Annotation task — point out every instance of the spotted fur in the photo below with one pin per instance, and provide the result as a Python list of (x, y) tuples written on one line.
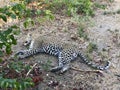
[(65, 53)]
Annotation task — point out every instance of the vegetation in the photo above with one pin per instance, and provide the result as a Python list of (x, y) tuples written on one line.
[(11, 76), (47, 65), (22, 10), (91, 47), (82, 33), (71, 7), (7, 39)]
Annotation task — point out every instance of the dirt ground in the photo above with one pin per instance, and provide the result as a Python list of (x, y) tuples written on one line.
[(103, 30)]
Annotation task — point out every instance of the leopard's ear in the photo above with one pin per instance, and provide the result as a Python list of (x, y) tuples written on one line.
[(41, 41), (29, 36)]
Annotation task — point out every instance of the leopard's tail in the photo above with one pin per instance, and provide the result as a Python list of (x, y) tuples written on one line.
[(93, 65)]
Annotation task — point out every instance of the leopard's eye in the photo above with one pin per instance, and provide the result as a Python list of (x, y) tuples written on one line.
[(26, 43)]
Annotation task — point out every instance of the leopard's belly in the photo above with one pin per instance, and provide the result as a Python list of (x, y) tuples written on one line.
[(64, 51)]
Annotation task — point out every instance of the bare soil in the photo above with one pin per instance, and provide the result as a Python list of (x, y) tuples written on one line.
[(103, 30)]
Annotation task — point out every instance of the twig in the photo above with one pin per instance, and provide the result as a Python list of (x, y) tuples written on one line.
[(117, 75), (94, 71), (31, 69)]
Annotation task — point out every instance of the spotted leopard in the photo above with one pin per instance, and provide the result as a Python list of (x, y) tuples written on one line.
[(65, 52)]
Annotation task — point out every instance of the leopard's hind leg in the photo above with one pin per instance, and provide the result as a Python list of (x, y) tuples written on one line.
[(65, 68), (61, 69), (63, 65), (60, 64)]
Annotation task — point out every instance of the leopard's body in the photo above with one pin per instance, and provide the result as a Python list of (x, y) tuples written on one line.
[(65, 52)]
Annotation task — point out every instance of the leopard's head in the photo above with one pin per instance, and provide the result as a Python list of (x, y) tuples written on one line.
[(28, 40)]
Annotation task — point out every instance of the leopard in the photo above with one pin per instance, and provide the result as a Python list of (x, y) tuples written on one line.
[(65, 52)]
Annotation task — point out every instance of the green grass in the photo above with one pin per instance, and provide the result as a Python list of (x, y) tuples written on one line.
[(70, 7), (91, 47)]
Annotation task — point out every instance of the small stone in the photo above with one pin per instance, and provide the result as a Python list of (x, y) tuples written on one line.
[(47, 74), (74, 36)]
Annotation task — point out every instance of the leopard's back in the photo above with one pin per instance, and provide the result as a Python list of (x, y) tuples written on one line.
[(44, 40), (66, 52)]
